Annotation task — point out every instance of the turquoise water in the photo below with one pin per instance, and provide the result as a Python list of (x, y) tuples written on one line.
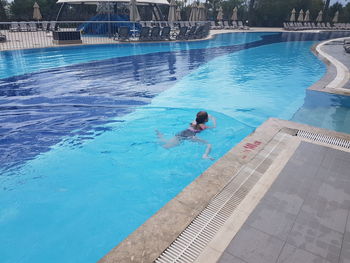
[(76, 201)]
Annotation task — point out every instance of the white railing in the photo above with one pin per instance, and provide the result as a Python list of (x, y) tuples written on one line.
[(25, 35)]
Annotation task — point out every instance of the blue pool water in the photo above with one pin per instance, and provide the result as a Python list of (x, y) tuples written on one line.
[(81, 166)]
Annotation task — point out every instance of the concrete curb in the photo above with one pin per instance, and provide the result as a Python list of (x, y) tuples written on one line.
[(342, 72)]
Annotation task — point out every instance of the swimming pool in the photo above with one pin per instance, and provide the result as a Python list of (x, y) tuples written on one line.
[(82, 167)]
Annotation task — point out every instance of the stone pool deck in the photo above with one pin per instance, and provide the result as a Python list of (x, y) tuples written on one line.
[(303, 217)]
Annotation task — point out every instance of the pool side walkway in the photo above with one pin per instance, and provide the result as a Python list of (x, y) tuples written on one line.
[(337, 78), (303, 216), (280, 195)]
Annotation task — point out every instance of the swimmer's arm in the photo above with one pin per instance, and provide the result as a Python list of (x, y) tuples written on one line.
[(207, 150), (206, 153), (213, 119)]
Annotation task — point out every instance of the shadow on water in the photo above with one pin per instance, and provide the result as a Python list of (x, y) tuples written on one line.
[(39, 109)]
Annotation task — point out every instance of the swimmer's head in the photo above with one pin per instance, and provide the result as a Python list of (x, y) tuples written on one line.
[(202, 117)]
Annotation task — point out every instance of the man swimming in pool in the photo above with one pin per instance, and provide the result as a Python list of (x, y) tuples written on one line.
[(190, 133)]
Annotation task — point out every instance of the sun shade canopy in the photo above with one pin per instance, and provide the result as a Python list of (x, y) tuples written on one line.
[(92, 2)]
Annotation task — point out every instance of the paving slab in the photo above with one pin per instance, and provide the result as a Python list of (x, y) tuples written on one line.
[(247, 245), (305, 210), (291, 254)]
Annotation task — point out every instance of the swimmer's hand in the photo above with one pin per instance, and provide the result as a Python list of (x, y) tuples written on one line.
[(213, 119), (205, 156)]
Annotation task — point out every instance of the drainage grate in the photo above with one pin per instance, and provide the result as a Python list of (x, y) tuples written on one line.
[(324, 138), (191, 242)]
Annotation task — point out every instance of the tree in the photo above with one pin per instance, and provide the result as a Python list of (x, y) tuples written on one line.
[(333, 9), (3, 15), (326, 10), (212, 6), (23, 9), (251, 12), (228, 6), (275, 12), (344, 15)]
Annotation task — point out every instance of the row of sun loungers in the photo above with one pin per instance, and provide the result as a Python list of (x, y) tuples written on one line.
[(193, 32), (31, 26), (2, 38), (172, 25), (228, 25), (341, 26), (156, 33), (318, 26)]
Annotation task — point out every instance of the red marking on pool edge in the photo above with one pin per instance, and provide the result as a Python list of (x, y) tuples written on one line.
[(249, 147), (252, 146)]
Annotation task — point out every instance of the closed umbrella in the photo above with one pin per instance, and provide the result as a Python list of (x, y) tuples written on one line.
[(178, 14), (134, 12), (335, 18), (220, 15), (172, 11), (307, 16), (301, 16), (319, 17), (292, 16), (155, 14), (201, 12), (194, 12), (234, 16), (36, 12)]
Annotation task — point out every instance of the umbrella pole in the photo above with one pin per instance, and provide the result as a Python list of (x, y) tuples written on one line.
[(160, 13), (59, 12)]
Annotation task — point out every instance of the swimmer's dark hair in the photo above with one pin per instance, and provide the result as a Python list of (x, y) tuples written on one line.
[(202, 117)]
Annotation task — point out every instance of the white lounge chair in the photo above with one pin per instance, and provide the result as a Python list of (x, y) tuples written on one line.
[(242, 26), (226, 25), (2, 38), (23, 27), (234, 25), (32, 26), (14, 27)]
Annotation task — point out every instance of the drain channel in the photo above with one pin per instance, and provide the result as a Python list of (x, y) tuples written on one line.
[(191, 242), (324, 138)]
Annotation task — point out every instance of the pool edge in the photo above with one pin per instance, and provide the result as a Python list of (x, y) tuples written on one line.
[(337, 74)]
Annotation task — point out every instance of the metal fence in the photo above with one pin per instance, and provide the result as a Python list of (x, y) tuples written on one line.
[(26, 35)]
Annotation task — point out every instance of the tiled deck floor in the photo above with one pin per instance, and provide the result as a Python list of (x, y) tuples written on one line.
[(304, 215)]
